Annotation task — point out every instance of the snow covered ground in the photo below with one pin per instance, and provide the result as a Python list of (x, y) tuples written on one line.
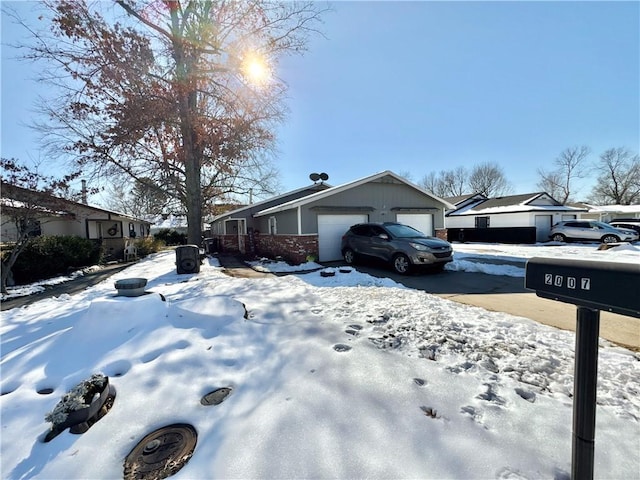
[(331, 377)]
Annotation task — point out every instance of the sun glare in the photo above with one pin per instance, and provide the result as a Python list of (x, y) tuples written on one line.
[(256, 70)]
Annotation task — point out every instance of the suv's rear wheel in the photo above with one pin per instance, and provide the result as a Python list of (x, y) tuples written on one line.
[(610, 239), (349, 256), (558, 237), (401, 264)]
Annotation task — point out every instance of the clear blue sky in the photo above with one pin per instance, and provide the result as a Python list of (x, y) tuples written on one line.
[(425, 86)]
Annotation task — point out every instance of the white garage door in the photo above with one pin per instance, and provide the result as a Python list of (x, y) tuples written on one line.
[(419, 221), (330, 231)]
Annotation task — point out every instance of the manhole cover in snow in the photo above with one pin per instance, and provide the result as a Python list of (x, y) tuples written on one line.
[(216, 397), (161, 453)]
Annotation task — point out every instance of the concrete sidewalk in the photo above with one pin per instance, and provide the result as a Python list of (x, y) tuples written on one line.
[(70, 287)]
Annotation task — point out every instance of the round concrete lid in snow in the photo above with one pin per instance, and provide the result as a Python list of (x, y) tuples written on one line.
[(161, 453), (131, 287)]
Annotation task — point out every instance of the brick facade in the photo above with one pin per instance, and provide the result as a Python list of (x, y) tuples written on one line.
[(442, 233), (293, 248)]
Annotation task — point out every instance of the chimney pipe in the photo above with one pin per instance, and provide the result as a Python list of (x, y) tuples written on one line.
[(84, 192)]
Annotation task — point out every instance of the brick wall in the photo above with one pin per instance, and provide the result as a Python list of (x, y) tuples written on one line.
[(292, 248), (442, 233)]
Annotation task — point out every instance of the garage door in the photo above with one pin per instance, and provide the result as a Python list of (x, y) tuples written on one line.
[(419, 221), (330, 231)]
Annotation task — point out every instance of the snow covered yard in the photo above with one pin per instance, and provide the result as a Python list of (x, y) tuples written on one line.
[(348, 376)]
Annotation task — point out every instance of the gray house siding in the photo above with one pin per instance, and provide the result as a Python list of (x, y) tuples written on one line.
[(260, 224), (380, 201)]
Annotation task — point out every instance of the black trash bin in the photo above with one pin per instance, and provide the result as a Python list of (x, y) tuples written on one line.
[(188, 259)]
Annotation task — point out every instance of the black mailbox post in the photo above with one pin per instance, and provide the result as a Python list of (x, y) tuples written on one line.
[(591, 286)]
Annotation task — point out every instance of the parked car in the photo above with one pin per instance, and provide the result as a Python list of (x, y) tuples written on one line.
[(590, 231), (401, 245), (626, 224)]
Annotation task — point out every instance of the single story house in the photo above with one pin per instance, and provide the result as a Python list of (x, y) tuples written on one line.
[(307, 223), (524, 218), (607, 213), (58, 216)]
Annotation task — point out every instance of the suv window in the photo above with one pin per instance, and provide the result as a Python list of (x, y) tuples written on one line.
[(577, 224), (362, 230), (376, 230)]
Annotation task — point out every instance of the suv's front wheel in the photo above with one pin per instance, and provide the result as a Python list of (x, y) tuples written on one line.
[(610, 239), (349, 256), (401, 264)]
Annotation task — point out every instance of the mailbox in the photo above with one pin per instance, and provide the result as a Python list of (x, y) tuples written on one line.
[(591, 286), (608, 286)]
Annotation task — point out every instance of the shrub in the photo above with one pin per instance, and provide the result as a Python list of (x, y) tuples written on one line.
[(171, 237), (48, 256), (148, 245)]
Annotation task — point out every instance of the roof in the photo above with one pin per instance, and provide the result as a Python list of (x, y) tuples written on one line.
[(269, 200), (346, 186), (51, 202), (457, 200), (525, 202), (627, 209)]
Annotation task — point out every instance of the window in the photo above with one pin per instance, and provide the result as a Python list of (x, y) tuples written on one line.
[(273, 225), (482, 222), (30, 227)]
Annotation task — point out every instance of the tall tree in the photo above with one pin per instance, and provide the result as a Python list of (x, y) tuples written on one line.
[(618, 178), (174, 91), (570, 165), (28, 199), (489, 180)]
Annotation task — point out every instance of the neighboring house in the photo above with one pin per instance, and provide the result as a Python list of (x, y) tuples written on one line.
[(525, 218), (464, 200), (167, 221), (58, 216), (607, 213), (311, 221)]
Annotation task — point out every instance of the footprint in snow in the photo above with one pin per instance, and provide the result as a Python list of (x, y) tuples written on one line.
[(339, 347), (420, 382), (528, 395), (491, 396), (353, 330), (508, 473), (473, 412), (117, 368)]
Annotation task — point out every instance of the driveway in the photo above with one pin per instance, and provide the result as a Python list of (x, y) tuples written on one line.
[(507, 294)]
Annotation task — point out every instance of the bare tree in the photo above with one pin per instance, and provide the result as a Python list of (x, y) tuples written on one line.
[(488, 179), (550, 182), (144, 198), (618, 178), (169, 91), (571, 164), (446, 183), (27, 200)]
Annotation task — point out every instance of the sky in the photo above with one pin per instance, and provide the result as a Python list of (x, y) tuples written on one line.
[(350, 376), (419, 87)]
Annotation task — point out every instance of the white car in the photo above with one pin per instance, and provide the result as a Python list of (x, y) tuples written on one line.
[(588, 230)]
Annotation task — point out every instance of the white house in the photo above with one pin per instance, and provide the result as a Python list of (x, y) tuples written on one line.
[(535, 213)]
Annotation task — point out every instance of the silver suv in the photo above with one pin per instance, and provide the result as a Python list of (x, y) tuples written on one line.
[(590, 230), (401, 245)]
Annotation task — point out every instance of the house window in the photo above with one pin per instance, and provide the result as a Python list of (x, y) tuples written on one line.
[(30, 227), (482, 222), (273, 225)]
